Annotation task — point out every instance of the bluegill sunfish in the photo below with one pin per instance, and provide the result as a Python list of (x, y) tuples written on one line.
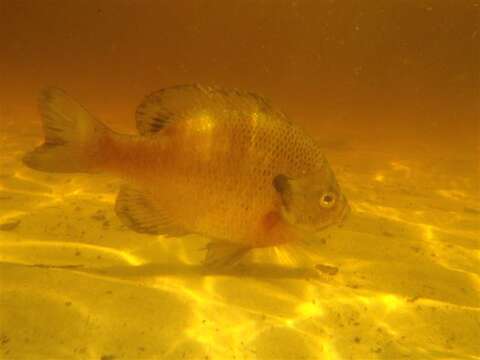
[(220, 163)]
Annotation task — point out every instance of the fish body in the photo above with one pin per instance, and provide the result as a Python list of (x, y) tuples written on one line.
[(220, 163)]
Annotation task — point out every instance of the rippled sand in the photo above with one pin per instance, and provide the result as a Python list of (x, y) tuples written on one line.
[(399, 280)]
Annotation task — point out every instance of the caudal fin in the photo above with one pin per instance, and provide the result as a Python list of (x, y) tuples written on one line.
[(71, 135)]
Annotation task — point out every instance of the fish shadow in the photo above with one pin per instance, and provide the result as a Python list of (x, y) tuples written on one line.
[(252, 270)]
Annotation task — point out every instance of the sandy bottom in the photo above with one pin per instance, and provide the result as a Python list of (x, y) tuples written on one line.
[(399, 280)]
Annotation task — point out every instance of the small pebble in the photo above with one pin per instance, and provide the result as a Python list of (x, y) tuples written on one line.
[(327, 269), (99, 215), (9, 225)]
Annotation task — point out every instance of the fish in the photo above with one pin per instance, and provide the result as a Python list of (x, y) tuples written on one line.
[(220, 163)]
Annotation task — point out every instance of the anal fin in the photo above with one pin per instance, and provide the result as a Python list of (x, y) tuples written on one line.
[(140, 212)]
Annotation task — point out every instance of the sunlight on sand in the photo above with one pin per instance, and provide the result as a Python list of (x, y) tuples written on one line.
[(400, 279)]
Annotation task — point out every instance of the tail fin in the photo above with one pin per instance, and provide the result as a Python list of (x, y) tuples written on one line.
[(71, 135)]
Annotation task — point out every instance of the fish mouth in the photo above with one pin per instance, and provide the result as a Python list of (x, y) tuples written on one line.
[(338, 221)]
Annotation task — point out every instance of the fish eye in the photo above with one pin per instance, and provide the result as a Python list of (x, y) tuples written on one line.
[(327, 200)]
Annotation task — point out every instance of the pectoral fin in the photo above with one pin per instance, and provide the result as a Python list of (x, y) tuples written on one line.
[(224, 254)]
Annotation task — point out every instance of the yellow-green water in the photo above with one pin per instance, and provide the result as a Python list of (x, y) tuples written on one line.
[(390, 90)]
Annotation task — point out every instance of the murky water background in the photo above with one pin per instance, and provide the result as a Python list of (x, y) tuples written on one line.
[(389, 88)]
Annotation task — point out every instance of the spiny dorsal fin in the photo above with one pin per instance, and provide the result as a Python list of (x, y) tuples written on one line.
[(187, 101), (139, 211)]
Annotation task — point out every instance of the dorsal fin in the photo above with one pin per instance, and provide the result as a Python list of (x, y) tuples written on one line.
[(140, 212), (186, 101)]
